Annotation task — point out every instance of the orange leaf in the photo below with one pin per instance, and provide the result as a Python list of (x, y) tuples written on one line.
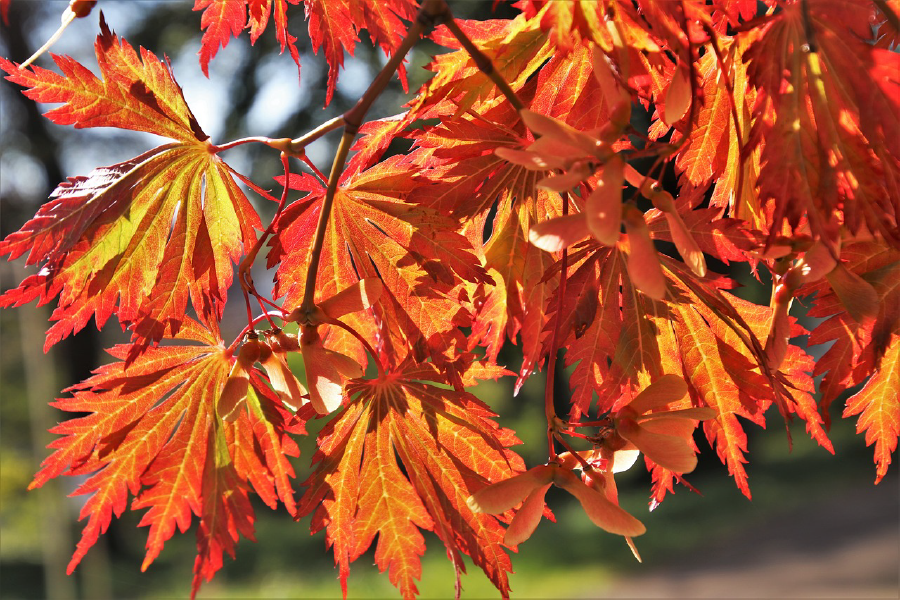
[(375, 233), (878, 407), (151, 430), (446, 443)]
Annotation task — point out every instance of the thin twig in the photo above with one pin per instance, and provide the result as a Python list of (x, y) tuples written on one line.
[(484, 63), (299, 145), (362, 340), (277, 143), (244, 276)]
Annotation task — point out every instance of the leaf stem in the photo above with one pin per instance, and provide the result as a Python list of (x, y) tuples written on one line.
[(577, 434), (549, 408), (244, 275), (312, 167), (262, 307), (272, 304), (585, 465)]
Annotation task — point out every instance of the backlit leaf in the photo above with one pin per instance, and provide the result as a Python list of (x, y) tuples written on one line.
[(153, 432), (140, 237), (446, 445)]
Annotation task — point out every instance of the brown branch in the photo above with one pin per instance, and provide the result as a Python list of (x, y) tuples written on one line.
[(337, 167), (298, 146)]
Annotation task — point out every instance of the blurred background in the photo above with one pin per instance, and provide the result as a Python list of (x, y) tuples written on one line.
[(816, 527)]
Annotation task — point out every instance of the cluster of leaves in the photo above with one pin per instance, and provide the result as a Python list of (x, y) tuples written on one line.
[(528, 211)]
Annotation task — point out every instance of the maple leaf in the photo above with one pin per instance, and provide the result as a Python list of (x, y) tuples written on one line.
[(374, 138), (468, 181), (225, 19), (375, 233), (473, 181), (447, 445), (153, 431), (221, 20), (712, 140), (861, 349), (568, 21), (383, 22), (828, 108), (140, 237), (619, 340), (878, 407), (334, 27)]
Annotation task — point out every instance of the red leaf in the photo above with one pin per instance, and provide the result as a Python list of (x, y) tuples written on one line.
[(517, 48), (833, 105), (858, 345), (221, 20), (137, 92), (224, 19), (136, 239)]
